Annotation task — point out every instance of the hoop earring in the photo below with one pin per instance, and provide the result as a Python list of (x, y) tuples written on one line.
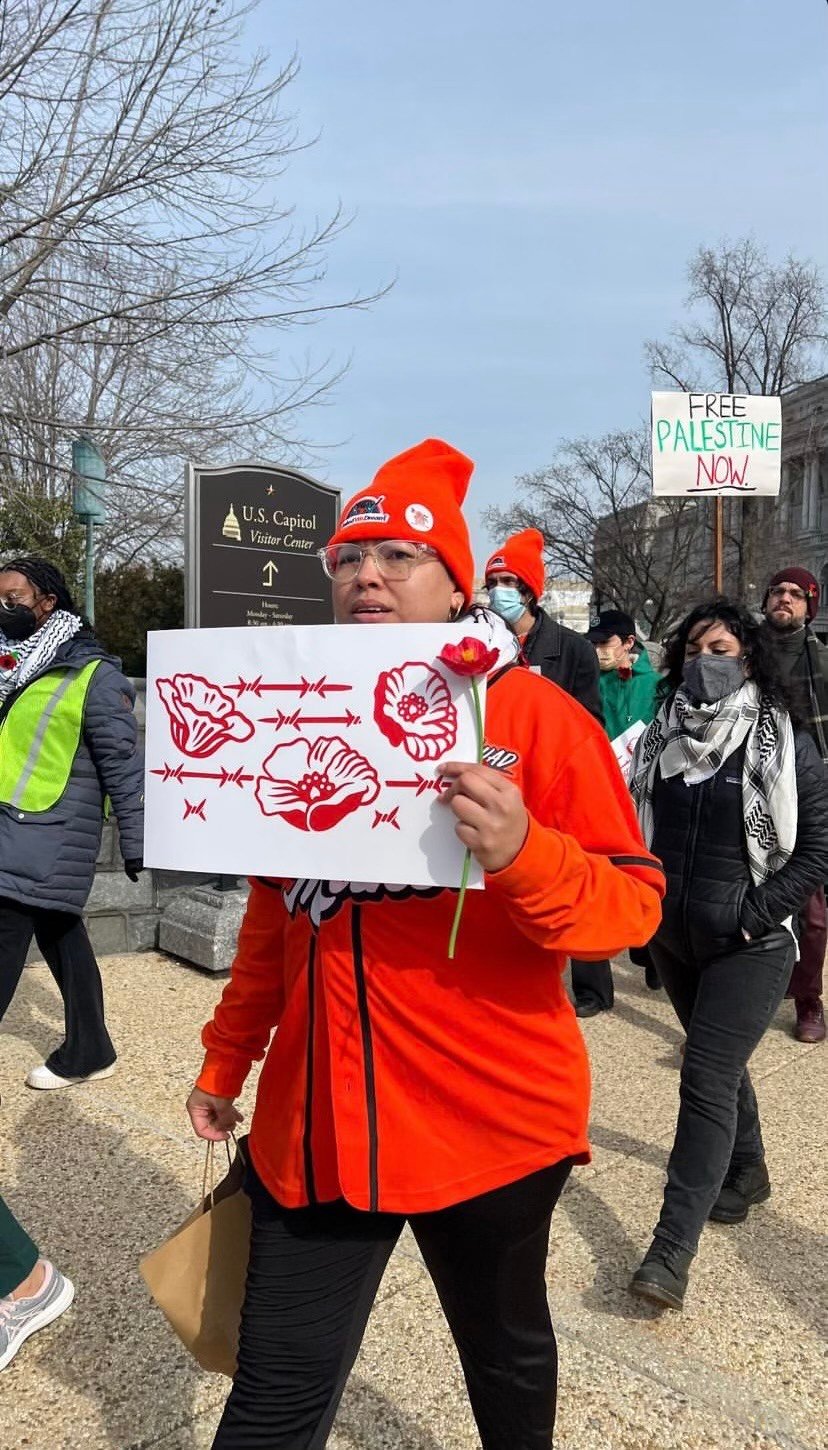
[(454, 614)]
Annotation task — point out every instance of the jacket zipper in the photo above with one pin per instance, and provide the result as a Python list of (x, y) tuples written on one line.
[(695, 813), (367, 1055), (307, 1141)]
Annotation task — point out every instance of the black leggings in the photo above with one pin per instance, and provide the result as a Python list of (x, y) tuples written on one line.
[(62, 938), (314, 1273)]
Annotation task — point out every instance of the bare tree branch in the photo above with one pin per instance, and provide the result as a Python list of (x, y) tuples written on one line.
[(755, 327), (594, 507), (149, 268)]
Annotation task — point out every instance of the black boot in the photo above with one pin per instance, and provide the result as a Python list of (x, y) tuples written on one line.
[(662, 1277), (742, 1187)]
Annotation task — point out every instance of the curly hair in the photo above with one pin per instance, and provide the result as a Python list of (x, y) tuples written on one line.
[(757, 647), (45, 577)]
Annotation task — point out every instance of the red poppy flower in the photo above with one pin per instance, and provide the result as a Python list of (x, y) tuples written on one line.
[(469, 657), (413, 708), (202, 717), (313, 786), (7, 662)]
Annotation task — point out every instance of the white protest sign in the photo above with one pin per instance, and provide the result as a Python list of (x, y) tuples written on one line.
[(716, 443), (307, 751), (624, 746)]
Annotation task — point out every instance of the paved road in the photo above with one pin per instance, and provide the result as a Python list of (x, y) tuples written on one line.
[(101, 1172)]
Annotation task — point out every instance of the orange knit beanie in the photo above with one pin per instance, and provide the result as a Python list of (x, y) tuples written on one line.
[(417, 496), (522, 554)]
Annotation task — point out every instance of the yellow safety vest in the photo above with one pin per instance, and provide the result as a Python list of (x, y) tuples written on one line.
[(39, 738)]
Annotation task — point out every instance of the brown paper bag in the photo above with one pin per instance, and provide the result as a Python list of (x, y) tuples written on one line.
[(197, 1275)]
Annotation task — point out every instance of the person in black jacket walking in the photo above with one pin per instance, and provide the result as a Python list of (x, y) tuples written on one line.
[(514, 580), (515, 576), (790, 605), (734, 800), (68, 740)]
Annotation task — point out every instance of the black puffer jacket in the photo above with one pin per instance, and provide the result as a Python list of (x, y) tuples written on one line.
[(700, 838), (47, 858), (567, 659)]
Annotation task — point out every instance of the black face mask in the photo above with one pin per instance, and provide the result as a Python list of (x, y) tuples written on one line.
[(17, 621), (711, 677)]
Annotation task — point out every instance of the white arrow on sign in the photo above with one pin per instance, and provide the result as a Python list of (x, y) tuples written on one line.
[(268, 572)]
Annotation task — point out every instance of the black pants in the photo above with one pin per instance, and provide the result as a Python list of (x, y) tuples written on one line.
[(18, 1253), (314, 1273), (65, 945), (592, 981), (725, 1006)]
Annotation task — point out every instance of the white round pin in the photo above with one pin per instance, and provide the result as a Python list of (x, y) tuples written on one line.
[(418, 517)]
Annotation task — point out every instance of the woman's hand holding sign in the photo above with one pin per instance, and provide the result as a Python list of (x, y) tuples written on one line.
[(492, 820)]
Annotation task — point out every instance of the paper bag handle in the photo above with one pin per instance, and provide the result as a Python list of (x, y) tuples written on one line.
[(210, 1166)]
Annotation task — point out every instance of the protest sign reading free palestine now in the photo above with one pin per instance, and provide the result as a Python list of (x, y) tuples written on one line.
[(716, 443)]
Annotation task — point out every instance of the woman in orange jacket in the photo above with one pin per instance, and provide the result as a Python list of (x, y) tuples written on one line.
[(402, 1085)]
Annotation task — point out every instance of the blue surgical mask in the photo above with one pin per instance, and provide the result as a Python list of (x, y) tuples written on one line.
[(507, 603)]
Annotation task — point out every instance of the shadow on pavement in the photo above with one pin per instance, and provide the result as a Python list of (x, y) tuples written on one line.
[(617, 1253), (791, 1260), (368, 1418), (636, 1018), (94, 1205), (36, 1013)]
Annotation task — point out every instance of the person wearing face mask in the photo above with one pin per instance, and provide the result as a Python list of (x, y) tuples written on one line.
[(789, 606), (732, 796), (68, 741), (401, 1085), (514, 576), (628, 686), (627, 682)]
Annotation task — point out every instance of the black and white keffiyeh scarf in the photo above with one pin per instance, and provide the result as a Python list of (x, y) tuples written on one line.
[(693, 740), (33, 654)]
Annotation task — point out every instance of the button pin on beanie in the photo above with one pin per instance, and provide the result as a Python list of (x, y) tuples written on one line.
[(418, 517), (366, 510)]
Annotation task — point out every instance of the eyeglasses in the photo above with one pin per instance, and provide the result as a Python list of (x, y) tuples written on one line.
[(780, 590), (394, 559), (11, 600)]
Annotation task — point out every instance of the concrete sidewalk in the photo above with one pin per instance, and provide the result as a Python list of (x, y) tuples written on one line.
[(100, 1173)]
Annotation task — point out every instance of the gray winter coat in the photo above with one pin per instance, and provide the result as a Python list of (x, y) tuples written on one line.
[(47, 858)]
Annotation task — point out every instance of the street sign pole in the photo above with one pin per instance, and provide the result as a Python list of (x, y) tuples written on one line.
[(89, 575), (88, 505)]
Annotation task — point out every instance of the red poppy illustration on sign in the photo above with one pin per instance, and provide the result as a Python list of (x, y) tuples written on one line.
[(413, 708), (202, 716), (314, 786)]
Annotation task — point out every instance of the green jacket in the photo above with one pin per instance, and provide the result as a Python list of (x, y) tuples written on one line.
[(626, 701)]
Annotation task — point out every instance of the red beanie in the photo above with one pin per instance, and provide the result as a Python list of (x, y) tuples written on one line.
[(806, 582), (522, 555), (417, 496)]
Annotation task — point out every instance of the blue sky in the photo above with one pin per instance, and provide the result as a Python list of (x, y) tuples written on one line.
[(535, 175)]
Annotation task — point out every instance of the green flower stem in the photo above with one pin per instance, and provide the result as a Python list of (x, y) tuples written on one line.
[(464, 879)]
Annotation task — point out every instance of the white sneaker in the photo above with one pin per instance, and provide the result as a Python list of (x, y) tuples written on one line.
[(43, 1077), (21, 1317)]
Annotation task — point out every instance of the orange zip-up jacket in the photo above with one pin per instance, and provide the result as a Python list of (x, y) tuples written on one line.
[(403, 1081)]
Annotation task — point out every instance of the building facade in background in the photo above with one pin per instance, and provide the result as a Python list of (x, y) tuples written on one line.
[(568, 601), (801, 511)]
